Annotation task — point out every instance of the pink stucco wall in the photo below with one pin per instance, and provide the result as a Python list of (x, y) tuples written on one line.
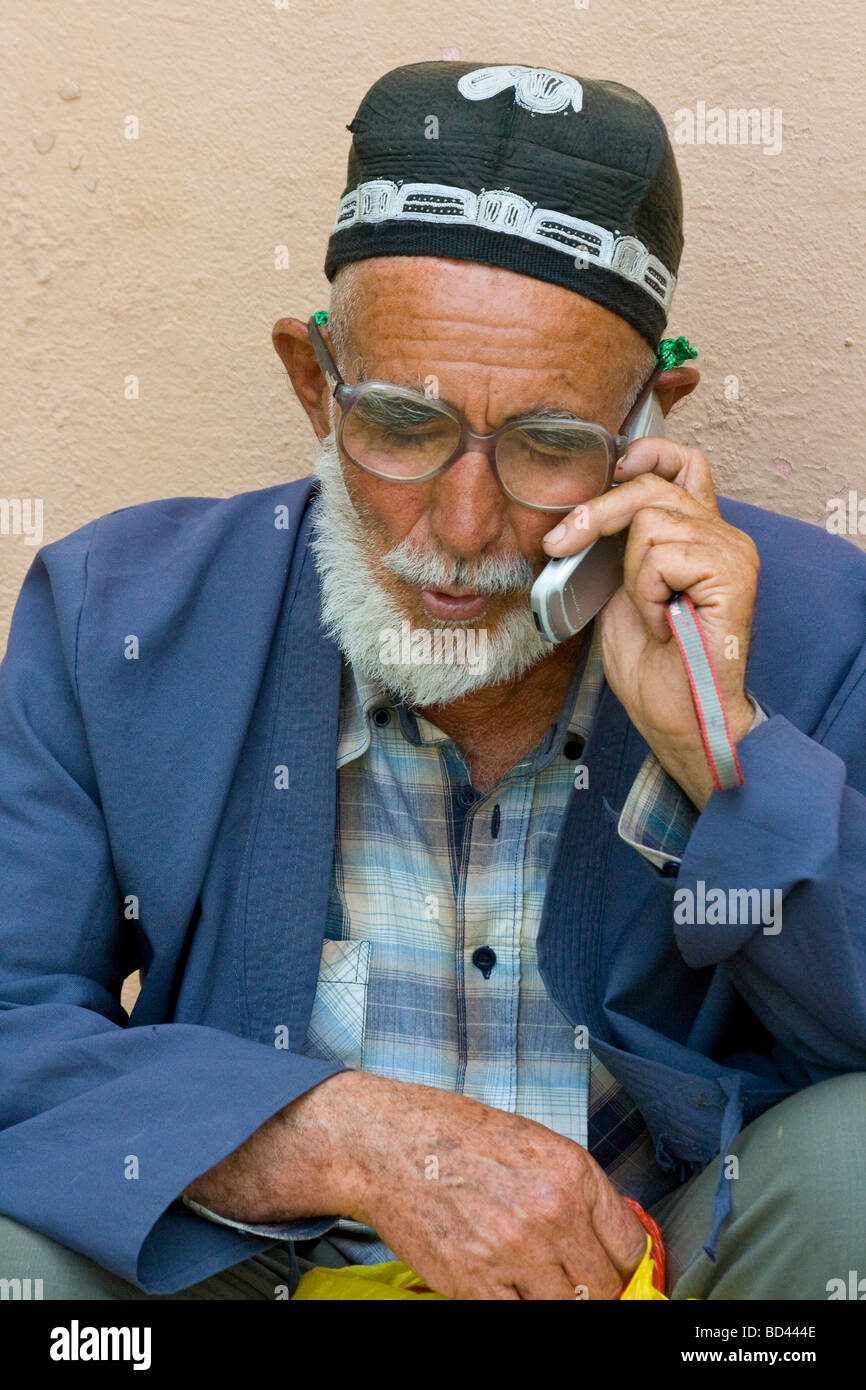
[(154, 257)]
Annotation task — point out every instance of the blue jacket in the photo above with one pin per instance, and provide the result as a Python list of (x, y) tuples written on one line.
[(163, 662)]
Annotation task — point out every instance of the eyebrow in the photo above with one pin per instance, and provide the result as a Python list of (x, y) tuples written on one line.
[(551, 412), (363, 373), (538, 410)]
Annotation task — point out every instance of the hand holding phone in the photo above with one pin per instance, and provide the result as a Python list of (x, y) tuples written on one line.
[(572, 588)]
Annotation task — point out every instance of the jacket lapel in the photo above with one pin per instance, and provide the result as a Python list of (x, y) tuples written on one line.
[(575, 904), (285, 880)]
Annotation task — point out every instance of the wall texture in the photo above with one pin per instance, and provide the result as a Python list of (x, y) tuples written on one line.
[(154, 257)]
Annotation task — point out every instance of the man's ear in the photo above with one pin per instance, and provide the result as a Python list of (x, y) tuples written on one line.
[(675, 383), (291, 339)]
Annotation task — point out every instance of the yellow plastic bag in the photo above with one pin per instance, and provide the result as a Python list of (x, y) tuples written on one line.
[(640, 1286), (389, 1280), (393, 1280)]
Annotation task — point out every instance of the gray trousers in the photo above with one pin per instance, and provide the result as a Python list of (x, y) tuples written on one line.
[(797, 1221)]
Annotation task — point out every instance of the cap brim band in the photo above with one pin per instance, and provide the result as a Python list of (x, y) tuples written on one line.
[(613, 291)]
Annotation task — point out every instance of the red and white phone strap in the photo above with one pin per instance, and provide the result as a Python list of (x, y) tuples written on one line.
[(721, 754)]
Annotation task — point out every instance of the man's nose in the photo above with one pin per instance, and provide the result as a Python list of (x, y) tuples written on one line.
[(467, 510)]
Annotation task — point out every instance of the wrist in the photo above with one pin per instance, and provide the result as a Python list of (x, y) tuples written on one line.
[(327, 1133), (741, 719), (686, 761)]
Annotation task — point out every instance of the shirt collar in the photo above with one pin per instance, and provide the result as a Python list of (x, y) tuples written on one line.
[(359, 696)]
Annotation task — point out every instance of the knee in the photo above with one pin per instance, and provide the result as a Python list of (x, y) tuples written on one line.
[(829, 1115), (817, 1139)]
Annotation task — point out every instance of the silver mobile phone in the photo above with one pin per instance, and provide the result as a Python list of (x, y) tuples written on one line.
[(570, 590)]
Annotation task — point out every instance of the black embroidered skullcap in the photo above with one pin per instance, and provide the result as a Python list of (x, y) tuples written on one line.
[(570, 180)]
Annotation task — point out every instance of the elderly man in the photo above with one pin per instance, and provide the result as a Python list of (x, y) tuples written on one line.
[(443, 956)]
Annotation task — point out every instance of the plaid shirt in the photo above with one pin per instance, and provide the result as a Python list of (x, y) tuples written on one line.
[(429, 971)]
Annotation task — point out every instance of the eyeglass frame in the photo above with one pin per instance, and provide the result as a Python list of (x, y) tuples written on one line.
[(346, 393)]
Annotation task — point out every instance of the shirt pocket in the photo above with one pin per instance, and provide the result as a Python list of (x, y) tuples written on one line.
[(336, 1028)]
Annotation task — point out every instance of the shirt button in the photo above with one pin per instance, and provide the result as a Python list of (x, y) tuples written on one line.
[(382, 717), (466, 796), (573, 747), (669, 868), (485, 959)]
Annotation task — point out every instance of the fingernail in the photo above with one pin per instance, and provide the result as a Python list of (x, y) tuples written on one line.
[(556, 534)]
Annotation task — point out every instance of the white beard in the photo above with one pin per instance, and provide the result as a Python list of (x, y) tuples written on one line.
[(357, 610)]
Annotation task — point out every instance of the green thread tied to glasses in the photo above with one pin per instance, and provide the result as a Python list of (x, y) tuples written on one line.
[(670, 352)]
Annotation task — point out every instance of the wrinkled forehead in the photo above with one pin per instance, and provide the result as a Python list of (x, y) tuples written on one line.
[(409, 319)]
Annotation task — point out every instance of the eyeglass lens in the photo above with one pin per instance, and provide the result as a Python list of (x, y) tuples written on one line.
[(408, 436)]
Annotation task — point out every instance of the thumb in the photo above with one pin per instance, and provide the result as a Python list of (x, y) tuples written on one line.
[(618, 1230)]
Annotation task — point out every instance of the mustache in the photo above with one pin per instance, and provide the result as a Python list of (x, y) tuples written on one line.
[(504, 574)]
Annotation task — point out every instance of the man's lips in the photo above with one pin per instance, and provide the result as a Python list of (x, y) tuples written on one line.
[(440, 603)]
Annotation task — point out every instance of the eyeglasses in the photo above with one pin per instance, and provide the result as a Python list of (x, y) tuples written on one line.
[(550, 461)]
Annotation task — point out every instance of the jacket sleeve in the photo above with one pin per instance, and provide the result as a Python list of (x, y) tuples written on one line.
[(796, 831), (102, 1125), (657, 817)]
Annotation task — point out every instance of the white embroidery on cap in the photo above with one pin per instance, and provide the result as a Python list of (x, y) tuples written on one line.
[(503, 210), (536, 89)]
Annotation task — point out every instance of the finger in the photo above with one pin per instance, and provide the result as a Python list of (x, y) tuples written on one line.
[(601, 1286), (620, 1233), (595, 1254), (614, 510), (678, 463), (653, 526), (672, 568), (548, 1284)]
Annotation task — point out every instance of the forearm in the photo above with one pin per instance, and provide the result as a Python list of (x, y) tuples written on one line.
[(296, 1164), (480, 1202)]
